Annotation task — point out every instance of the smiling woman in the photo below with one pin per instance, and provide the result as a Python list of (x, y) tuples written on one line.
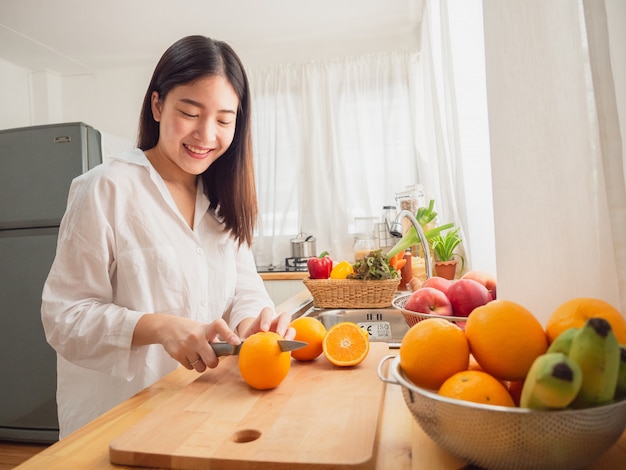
[(153, 258)]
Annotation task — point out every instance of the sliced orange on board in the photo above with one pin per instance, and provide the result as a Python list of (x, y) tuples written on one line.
[(345, 344)]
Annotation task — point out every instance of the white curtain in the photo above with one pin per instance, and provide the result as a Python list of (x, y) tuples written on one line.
[(333, 140), (336, 140), (556, 150), (453, 128)]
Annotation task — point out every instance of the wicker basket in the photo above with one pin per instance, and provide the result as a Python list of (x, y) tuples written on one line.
[(351, 293), (510, 438)]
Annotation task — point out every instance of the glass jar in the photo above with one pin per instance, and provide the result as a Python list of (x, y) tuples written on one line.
[(363, 244), (406, 201), (389, 215), (411, 199)]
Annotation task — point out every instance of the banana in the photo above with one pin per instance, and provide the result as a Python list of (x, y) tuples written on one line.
[(563, 342), (596, 350), (553, 382), (620, 389)]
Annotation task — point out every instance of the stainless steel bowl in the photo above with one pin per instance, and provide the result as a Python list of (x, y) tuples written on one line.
[(498, 437)]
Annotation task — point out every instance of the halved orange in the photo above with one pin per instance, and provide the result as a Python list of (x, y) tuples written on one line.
[(345, 344)]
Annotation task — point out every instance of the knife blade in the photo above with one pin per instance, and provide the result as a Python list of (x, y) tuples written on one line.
[(226, 349)]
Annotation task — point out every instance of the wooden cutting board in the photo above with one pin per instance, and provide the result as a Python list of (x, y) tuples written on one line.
[(320, 417)]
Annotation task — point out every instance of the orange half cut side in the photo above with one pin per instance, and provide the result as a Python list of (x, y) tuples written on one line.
[(345, 344)]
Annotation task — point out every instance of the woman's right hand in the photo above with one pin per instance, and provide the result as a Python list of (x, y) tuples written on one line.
[(184, 339)]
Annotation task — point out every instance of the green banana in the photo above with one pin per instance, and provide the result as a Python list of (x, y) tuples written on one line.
[(553, 382), (563, 342), (596, 350), (620, 389)]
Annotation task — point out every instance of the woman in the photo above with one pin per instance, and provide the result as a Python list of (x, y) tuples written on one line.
[(153, 259)]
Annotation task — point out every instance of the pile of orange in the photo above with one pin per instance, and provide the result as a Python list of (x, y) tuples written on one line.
[(488, 362), (264, 366)]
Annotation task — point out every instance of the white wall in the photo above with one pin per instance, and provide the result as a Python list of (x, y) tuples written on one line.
[(46, 97), (14, 96), (109, 100)]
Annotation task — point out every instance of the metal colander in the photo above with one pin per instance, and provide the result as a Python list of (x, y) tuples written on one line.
[(497, 437)]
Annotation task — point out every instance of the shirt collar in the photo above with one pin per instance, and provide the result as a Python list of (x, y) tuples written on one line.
[(135, 156)]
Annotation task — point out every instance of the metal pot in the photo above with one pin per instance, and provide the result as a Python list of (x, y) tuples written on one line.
[(303, 246)]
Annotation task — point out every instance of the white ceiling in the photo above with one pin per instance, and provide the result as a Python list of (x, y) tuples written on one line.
[(83, 36)]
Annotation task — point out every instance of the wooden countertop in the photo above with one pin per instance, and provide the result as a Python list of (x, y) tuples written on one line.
[(401, 445), (284, 275)]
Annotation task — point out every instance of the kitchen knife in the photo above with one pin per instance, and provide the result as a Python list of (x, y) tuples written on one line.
[(226, 349)]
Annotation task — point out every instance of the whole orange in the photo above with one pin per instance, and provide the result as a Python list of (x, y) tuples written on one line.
[(478, 387), (505, 338), (309, 330), (576, 312), (261, 362), (433, 350)]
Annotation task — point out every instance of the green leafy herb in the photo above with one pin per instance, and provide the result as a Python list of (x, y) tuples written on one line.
[(373, 266)]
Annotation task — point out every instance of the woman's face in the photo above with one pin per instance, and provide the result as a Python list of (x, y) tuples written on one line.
[(196, 124)]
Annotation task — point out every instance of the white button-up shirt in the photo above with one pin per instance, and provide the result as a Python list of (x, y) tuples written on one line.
[(125, 250)]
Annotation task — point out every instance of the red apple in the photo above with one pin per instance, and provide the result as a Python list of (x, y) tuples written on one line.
[(465, 295), (485, 279), (439, 283), (429, 300)]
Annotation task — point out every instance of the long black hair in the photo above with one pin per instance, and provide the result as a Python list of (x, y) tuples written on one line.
[(229, 181)]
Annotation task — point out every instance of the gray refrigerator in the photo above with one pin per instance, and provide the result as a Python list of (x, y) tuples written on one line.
[(37, 165)]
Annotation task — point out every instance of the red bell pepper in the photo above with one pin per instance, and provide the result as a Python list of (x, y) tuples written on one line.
[(320, 267)]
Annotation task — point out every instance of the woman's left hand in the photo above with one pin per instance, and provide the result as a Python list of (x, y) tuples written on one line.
[(266, 321)]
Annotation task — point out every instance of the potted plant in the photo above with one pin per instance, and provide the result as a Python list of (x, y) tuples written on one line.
[(443, 246)]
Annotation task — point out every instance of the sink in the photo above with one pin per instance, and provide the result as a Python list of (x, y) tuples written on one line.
[(382, 324)]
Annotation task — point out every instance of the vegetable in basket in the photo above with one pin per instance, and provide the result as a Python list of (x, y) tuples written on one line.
[(373, 267), (341, 270), (320, 267)]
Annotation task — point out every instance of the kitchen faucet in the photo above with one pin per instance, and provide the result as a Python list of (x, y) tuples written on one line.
[(396, 231)]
